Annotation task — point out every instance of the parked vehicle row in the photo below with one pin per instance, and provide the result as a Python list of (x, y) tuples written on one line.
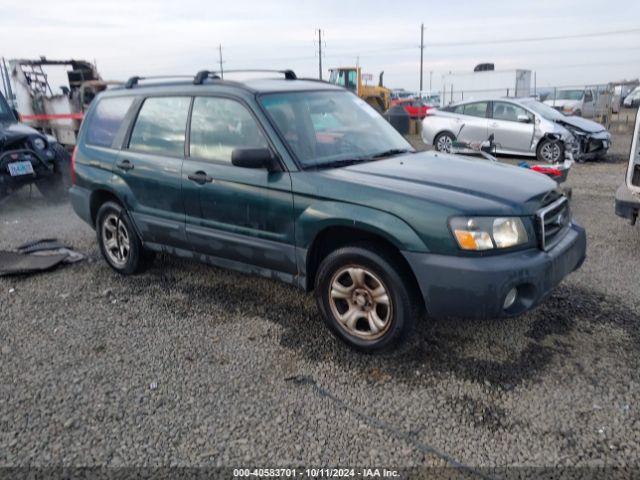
[(303, 181), (520, 126)]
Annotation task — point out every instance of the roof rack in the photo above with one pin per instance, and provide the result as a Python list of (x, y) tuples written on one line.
[(133, 81), (202, 75)]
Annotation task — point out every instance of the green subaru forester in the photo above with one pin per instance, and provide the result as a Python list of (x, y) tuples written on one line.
[(303, 181)]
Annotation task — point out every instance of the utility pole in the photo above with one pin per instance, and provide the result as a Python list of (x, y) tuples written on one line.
[(430, 78), (220, 60), (421, 52), (320, 54)]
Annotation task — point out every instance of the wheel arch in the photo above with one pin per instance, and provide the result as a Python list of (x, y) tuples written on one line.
[(98, 198), (335, 236), (441, 132), (551, 137)]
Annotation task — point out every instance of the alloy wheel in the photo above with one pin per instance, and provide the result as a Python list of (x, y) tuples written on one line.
[(115, 239), (360, 302), (444, 144), (550, 152)]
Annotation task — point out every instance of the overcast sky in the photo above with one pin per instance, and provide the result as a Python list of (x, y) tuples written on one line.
[(159, 37)]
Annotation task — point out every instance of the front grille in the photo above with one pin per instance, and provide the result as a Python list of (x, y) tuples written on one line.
[(554, 220)]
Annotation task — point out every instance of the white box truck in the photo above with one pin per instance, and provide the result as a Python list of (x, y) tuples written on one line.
[(460, 86)]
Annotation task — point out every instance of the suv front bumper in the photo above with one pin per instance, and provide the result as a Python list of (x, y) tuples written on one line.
[(476, 287), (627, 204)]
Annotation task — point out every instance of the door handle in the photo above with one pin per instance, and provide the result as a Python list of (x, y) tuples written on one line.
[(124, 165), (200, 177)]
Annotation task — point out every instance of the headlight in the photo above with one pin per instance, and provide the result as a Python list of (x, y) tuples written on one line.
[(509, 232), (38, 143), (568, 108), (483, 233)]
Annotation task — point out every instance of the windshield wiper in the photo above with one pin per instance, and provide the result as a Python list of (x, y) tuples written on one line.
[(341, 163), (391, 152)]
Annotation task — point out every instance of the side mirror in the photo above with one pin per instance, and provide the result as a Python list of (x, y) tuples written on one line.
[(524, 119), (254, 158)]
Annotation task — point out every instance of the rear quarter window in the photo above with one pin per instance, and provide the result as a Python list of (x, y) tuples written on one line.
[(106, 120)]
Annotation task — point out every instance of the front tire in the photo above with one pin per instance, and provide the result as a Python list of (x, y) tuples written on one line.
[(55, 187), (364, 299), (119, 243), (550, 151), (444, 142)]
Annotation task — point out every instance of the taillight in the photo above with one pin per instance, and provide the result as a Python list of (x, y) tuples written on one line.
[(554, 172), (73, 165)]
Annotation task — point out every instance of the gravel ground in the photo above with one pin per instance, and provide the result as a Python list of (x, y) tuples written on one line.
[(192, 365)]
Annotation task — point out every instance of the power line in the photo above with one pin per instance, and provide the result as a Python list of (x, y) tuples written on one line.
[(491, 42), (337, 53), (536, 39)]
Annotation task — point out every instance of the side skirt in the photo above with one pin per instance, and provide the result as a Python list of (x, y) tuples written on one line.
[(296, 280)]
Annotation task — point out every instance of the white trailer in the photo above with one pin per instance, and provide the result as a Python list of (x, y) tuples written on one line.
[(462, 86), (52, 95)]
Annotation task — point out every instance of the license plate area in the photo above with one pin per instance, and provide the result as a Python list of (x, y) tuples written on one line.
[(17, 169)]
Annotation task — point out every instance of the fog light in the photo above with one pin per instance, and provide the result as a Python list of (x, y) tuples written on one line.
[(510, 299)]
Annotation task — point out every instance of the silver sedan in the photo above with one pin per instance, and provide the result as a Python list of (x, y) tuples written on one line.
[(520, 126)]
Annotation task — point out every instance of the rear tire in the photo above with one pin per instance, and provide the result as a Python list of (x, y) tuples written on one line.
[(118, 241), (364, 298), (55, 187), (444, 142)]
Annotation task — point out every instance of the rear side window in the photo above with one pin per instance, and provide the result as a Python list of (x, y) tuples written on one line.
[(509, 112), (106, 120), (219, 125), (160, 126), (478, 109)]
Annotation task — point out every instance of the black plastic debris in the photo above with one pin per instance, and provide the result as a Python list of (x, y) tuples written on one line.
[(37, 256), (40, 245)]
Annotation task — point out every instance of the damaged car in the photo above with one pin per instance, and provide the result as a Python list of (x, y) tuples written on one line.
[(29, 157), (521, 126)]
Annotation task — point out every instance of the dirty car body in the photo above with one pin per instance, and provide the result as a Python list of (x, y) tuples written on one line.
[(306, 180), (520, 126)]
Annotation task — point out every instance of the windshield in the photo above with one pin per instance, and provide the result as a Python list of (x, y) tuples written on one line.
[(569, 95), (324, 128), (545, 111), (6, 115)]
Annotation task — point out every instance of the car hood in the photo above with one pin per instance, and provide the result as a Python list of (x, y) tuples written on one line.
[(12, 131), (588, 126), (467, 184)]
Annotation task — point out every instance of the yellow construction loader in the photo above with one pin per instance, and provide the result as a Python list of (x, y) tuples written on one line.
[(377, 96)]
